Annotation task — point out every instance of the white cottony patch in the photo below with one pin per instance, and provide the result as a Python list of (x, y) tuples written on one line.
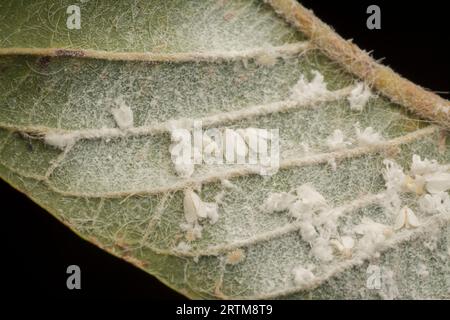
[(277, 202), (425, 175), (372, 232), (303, 203), (359, 96), (195, 208), (368, 136), (435, 203), (308, 200), (302, 276), (304, 89), (321, 250), (337, 140), (59, 140), (406, 219), (393, 175), (123, 116)]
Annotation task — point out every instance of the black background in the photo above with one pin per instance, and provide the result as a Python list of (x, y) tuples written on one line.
[(37, 248)]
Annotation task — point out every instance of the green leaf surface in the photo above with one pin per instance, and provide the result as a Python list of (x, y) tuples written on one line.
[(122, 191)]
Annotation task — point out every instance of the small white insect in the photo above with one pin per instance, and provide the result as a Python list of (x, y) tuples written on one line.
[(406, 219), (359, 97), (437, 182), (195, 208), (59, 140), (368, 136), (435, 203), (344, 246), (337, 140), (302, 276), (123, 116), (423, 167)]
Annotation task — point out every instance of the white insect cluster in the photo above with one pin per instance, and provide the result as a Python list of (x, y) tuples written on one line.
[(427, 179), (368, 136), (196, 210), (251, 146), (425, 176), (317, 222), (309, 208)]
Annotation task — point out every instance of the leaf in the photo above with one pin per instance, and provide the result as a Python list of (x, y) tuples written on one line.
[(85, 132)]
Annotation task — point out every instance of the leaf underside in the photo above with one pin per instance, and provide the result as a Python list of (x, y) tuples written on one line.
[(104, 189)]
